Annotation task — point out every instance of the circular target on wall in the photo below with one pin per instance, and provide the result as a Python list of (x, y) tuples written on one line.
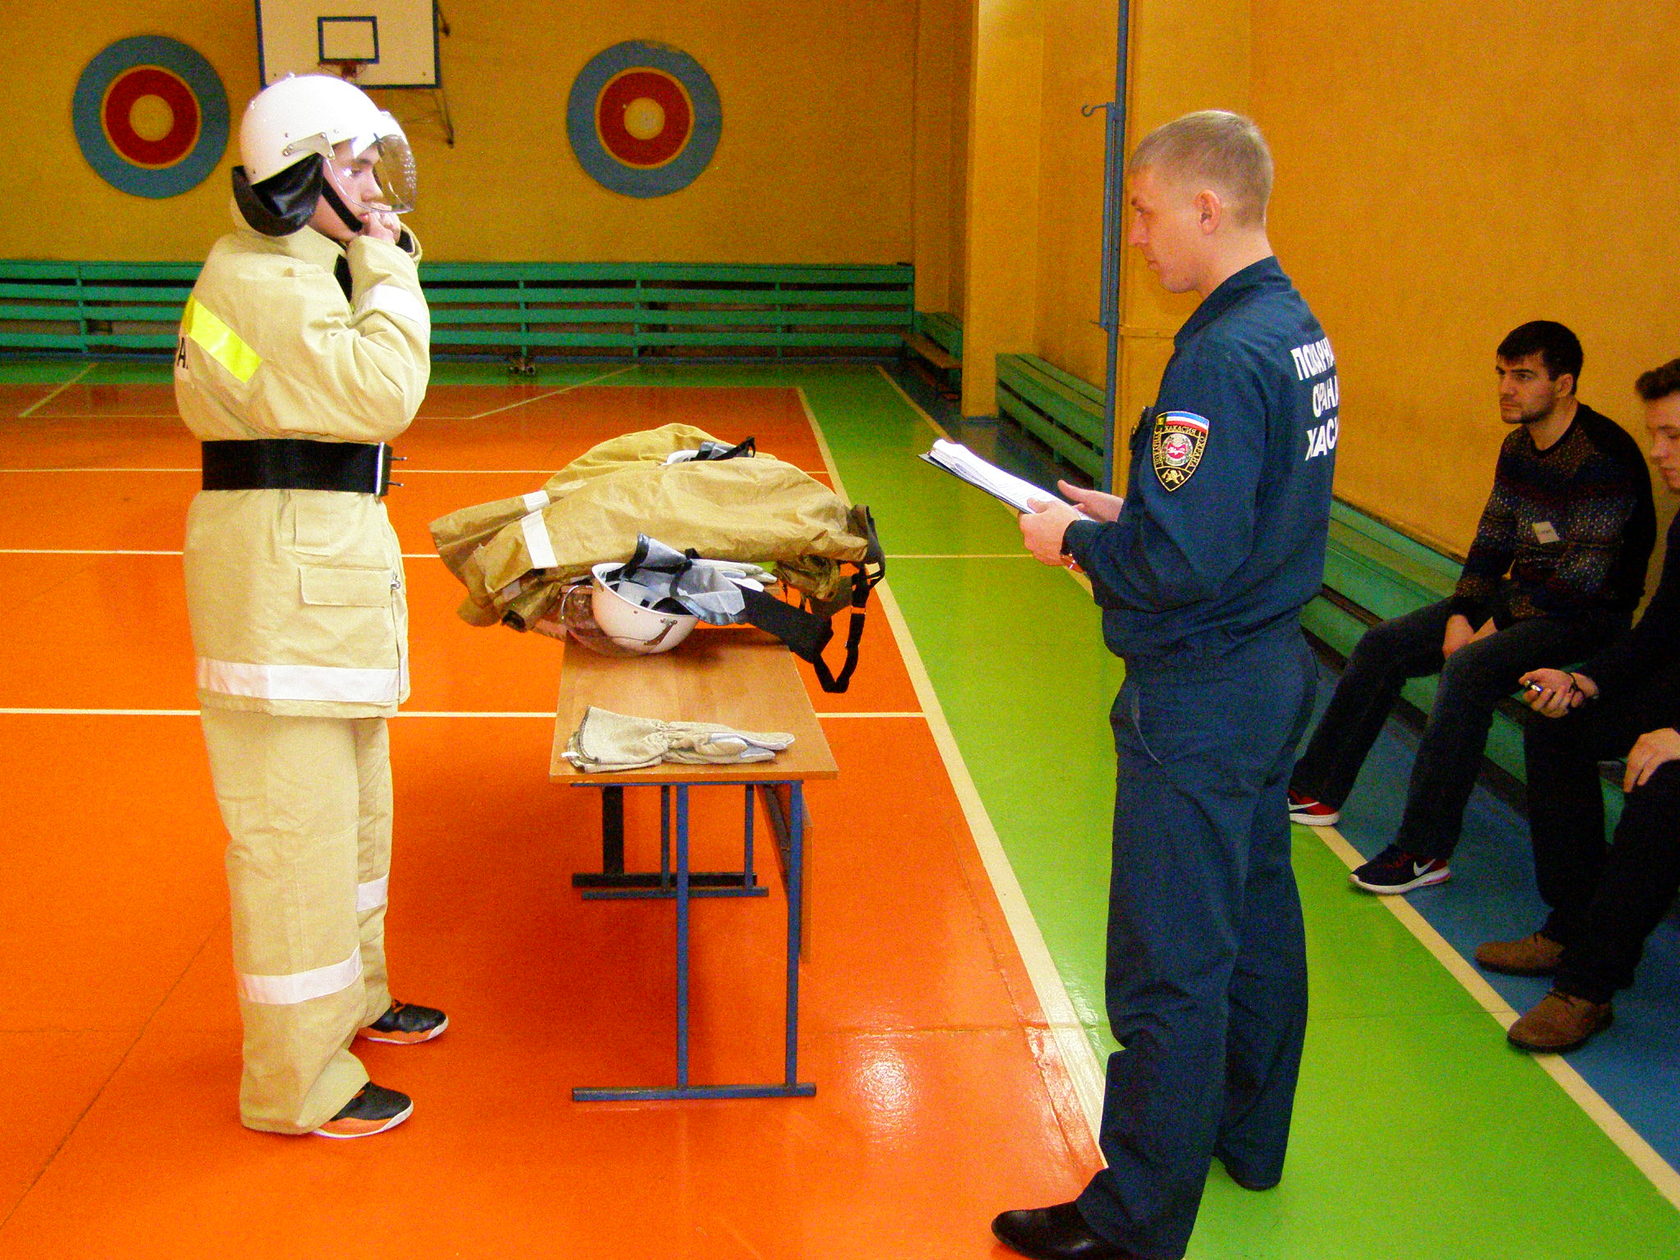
[(643, 118), (150, 116)]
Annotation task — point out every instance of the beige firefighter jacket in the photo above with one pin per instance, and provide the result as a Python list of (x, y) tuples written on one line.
[(515, 556), (296, 596)]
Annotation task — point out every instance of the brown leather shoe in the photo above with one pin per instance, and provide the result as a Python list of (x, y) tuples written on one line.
[(1560, 1022), (1535, 955)]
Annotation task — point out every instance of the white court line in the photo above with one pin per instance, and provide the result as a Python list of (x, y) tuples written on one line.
[(98, 712), (516, 472), (1627, 1139), (555, 393), (407, 713), (971, 555), (29, 411), (100, 551), (1073, 1048)]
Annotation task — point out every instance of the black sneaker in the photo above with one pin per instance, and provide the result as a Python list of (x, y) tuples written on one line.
[(373, 1110), (1396, 871), (406, 1024)]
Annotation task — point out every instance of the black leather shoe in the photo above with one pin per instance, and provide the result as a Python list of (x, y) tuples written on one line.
[(406, 1024), (1055, 1233)]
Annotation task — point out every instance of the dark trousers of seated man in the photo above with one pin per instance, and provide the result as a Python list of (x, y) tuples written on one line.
[(1473, 681), (1605, 900)]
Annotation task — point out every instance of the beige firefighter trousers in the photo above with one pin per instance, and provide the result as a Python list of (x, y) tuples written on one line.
[(307, 804)]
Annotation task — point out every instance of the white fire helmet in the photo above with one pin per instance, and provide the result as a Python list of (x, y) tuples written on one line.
[(290, 131), (618, 617)]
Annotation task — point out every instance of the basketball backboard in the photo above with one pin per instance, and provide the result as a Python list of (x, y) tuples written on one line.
[(377, 43)]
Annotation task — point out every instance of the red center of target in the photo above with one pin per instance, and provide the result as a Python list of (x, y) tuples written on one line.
[(664, 91), (127, 90)]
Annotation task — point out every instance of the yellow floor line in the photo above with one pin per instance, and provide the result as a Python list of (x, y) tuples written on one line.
[(1618, 1130), (36, 406), (1078, 1057), (912, 403), (555, 393)]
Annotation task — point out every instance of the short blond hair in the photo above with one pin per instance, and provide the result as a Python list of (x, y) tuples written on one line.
[(1214, 145)]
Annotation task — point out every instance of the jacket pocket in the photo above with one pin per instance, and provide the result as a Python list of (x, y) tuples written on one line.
[(345, 588)]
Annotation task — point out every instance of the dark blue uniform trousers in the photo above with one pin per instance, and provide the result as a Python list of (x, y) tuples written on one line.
[(1207, 975)]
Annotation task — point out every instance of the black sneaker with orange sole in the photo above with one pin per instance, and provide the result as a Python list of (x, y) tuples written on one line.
[(374, 1109), (406, 1024)]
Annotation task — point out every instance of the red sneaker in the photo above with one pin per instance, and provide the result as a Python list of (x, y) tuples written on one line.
[(1310, 811)]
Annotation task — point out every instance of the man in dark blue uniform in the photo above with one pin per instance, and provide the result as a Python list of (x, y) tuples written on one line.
[(1201, 573)]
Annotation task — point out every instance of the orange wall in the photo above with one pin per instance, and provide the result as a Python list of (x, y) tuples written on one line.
[(816, 161), (1448, 171)]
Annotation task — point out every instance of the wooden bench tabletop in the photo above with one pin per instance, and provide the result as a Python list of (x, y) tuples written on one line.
[(740, 677)]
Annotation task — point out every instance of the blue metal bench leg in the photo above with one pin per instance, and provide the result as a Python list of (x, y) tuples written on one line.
[(790, 1085)]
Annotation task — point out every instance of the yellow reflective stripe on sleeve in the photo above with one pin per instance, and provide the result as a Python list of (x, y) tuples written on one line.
[(219, 341)]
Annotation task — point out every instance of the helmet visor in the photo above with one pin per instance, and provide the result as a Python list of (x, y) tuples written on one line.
[(381, 177)]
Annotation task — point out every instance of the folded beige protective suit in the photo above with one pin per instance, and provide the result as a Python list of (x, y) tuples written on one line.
[(605, 740), (515, 556)]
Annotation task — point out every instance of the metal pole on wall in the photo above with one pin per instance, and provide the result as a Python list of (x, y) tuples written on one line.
[(1114, 210)]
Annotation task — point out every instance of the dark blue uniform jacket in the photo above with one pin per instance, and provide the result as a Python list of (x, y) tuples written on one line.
[(1222, 534)]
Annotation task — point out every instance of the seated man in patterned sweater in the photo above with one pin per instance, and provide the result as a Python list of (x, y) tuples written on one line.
[(1623, 702), (1557, 568)]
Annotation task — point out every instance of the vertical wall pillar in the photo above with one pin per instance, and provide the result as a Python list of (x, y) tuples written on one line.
[(939, 25), (1001, 248)]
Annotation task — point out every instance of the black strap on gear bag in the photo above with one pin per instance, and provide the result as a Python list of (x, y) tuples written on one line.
[(807, 633)]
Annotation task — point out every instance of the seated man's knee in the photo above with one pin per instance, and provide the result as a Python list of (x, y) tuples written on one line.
[(1661, 790), (1379, 647)]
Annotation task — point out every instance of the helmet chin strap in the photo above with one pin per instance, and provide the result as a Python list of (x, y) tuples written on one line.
[(340, 207)]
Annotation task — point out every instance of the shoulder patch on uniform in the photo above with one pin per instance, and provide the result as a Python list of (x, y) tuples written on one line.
[(1176, 449)]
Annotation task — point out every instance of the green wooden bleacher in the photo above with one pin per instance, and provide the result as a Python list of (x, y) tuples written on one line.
[(514, 311), (937, 338), (1056, 407)]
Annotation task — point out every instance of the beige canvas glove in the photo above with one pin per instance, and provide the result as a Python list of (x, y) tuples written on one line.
[(606, 741)]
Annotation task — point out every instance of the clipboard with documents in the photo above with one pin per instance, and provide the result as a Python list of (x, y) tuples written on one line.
[(982, 474)]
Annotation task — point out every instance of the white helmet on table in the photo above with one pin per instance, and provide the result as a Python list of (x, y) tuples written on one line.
[(618, 616)]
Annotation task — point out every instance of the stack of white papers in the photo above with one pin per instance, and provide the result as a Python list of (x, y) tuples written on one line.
[(963, 463)]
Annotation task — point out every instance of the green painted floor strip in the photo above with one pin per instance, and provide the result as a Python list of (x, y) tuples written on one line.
[(1418, 1132)]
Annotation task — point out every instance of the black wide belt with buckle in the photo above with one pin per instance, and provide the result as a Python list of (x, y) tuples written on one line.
[(297, 464)]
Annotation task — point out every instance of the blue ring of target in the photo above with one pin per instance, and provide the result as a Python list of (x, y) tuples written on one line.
[(201, 80), (606, 169)]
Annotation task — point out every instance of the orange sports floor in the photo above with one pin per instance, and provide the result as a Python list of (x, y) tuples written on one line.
[(939, 1102)]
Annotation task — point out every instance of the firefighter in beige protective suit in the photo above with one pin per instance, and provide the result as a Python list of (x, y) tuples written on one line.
[(303, 351)]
